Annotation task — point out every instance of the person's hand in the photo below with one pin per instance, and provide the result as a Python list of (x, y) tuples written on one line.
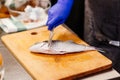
[(59, 13)]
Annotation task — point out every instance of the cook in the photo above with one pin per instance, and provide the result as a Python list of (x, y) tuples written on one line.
[(95, 21)]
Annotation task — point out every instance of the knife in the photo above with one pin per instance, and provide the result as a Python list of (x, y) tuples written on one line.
[(50, 39)]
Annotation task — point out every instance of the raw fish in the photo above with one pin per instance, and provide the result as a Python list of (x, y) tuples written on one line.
[(59, 47)]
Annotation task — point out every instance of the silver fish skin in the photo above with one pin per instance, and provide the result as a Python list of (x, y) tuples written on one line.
[(59, 47)]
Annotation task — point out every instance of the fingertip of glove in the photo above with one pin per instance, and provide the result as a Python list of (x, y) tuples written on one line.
[(50, 28)]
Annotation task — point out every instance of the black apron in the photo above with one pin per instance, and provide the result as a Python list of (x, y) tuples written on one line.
[(102, 24)]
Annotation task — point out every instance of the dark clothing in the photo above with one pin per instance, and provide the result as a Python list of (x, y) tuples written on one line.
[(76, 19), (102, 23), (104, 19), (53, 1), (99, 22)]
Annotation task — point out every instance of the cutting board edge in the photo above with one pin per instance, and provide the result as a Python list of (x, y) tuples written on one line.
[(91, 72)]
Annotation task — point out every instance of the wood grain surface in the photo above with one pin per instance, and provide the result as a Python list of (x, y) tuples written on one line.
[(53, 67)]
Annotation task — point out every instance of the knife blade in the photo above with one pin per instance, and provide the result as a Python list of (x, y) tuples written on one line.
[(50, 39)]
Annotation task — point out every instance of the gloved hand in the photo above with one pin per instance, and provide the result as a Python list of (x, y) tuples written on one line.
[(59, 13)]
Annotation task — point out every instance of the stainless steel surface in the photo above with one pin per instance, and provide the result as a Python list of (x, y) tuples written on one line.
[(104, 75), (13, 70)]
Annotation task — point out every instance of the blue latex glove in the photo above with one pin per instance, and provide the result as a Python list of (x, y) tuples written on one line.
[(59, 13)]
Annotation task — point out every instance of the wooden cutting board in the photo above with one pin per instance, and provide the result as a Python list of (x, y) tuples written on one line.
[(53, 67)]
